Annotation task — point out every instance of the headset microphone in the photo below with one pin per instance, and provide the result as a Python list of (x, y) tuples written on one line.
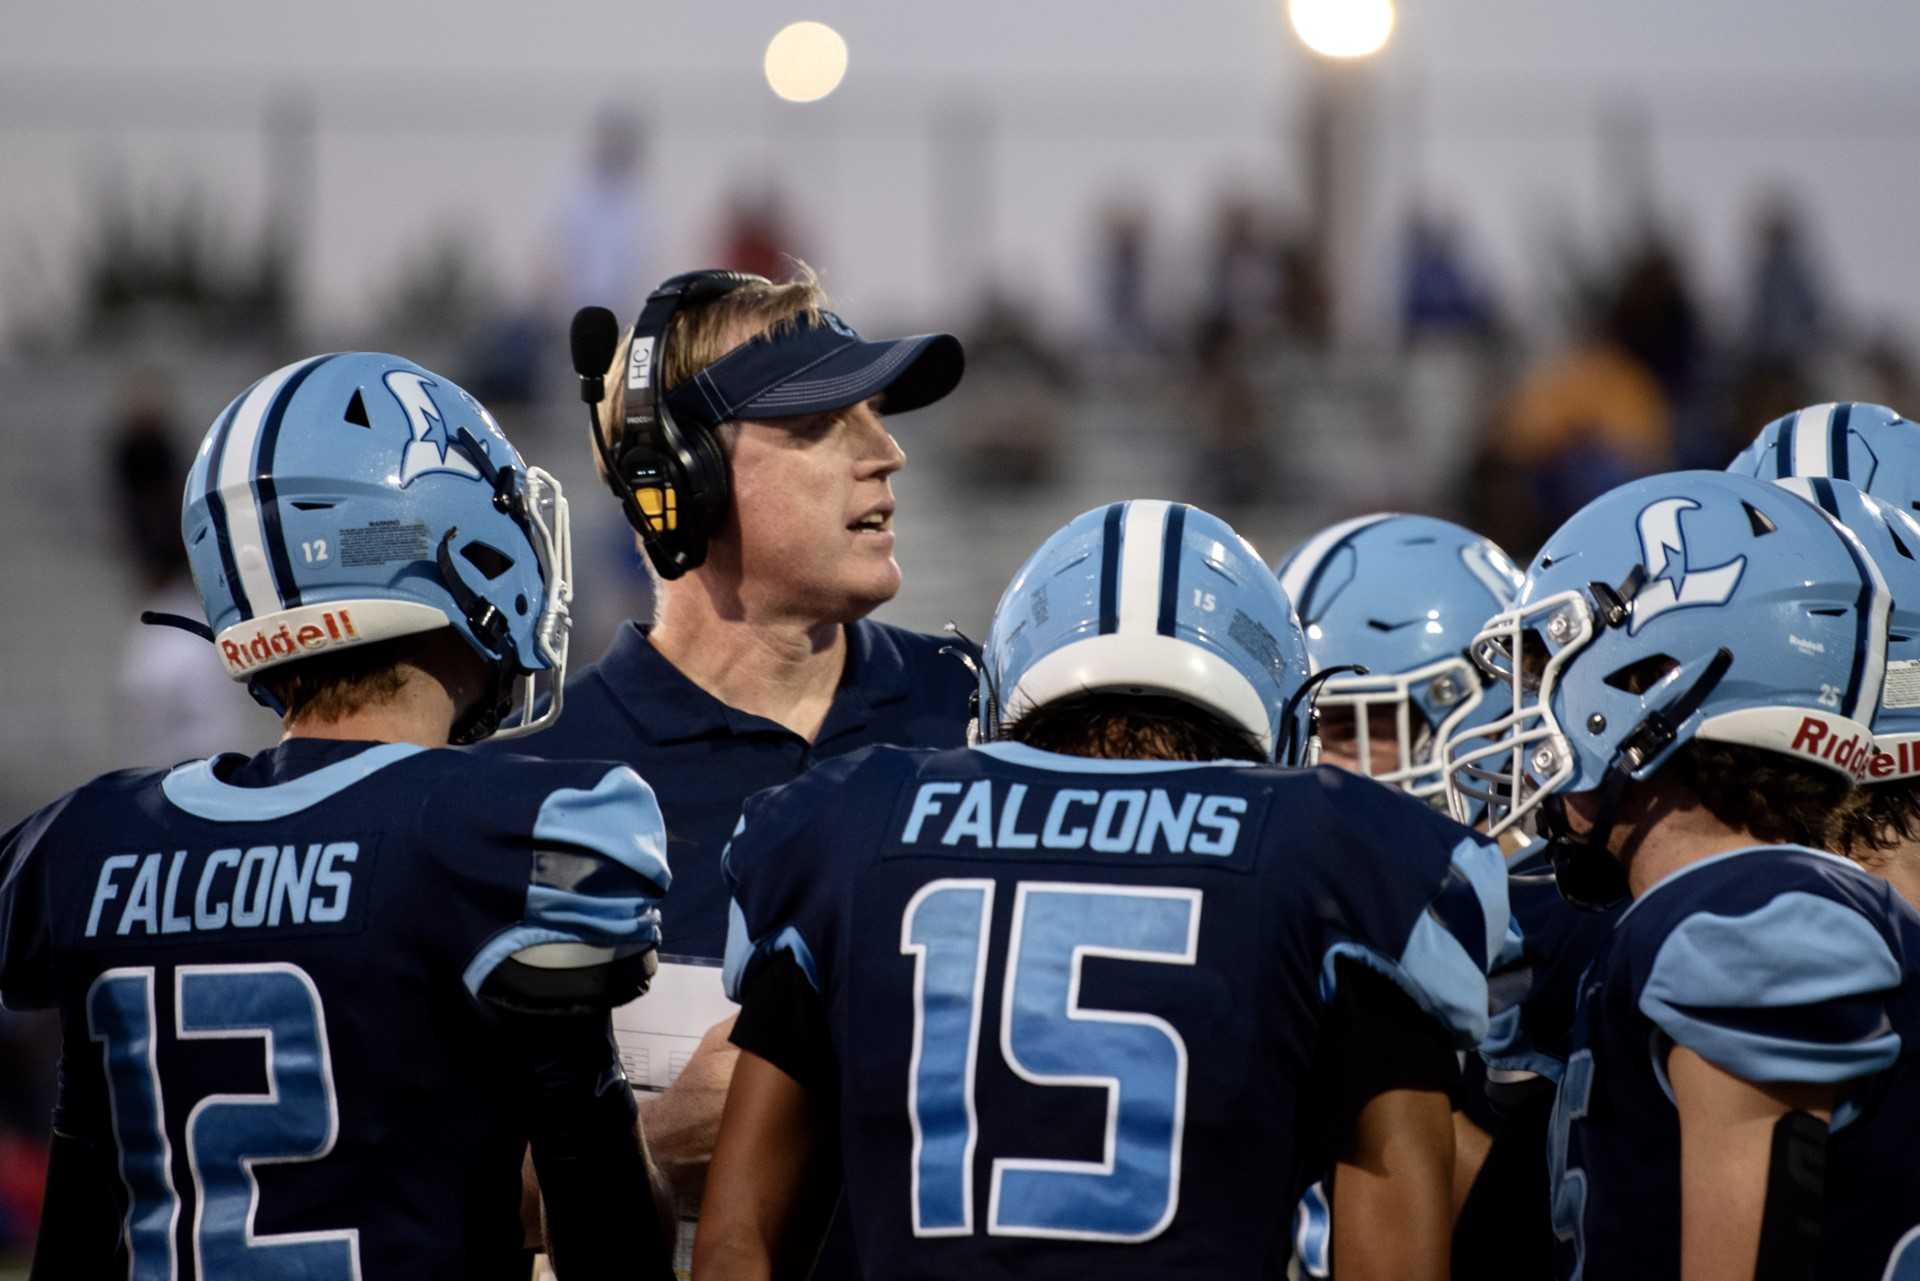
[(594, 337)]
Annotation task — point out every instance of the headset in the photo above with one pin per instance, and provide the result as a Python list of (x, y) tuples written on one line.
[(671, 478)]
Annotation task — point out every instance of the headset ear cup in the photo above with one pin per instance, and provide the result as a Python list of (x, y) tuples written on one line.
[(709, 483)]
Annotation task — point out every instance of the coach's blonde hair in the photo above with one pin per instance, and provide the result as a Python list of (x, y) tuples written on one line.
[(702, 334)]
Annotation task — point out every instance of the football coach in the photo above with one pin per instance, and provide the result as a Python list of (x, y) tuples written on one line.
[(746, 431)]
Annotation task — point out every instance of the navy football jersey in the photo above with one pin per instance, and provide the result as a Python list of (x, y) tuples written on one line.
[(1777, 964), (267, 974), (1074, 1004)]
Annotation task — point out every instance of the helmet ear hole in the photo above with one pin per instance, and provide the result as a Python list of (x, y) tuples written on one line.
[(1640, 676), (1758, 521), (489, 560)]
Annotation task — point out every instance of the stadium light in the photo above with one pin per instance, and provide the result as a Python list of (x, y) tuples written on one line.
[(805, 61), (1342, 28)]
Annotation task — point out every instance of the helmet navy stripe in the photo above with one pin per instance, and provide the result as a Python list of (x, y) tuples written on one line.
[(1863, 611), (1170, 567), (265, 491), (1783, 448), (217, 509), (1837, 442), (1110, 570), (1326, 559)]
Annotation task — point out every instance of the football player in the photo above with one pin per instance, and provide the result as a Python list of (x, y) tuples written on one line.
[(1823, 452), (317, 1002), (1695, 664), (1109, 978), (1401, 597)]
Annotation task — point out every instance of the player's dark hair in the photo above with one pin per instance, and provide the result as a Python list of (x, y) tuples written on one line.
[(1133, 727), (1887, 819), (327, 687), (1777, 799)]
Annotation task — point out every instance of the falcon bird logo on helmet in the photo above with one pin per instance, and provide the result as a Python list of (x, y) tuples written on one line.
[(1672, 584)]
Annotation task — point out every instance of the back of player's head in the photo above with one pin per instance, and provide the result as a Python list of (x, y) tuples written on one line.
[(1690, 606), (1150, 598), (1401, 596), (1869, 446), (1891, 535), (354, 499)]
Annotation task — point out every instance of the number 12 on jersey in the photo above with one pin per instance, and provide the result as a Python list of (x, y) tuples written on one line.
[(1048, 1038)]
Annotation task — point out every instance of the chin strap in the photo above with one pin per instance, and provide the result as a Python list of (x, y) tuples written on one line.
[(1588, 874), (1296, 754), (155, 618)]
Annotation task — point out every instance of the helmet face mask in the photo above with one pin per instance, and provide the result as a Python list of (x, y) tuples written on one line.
[(355, 498), (549, 526), (1512, 764), (1425, 704)]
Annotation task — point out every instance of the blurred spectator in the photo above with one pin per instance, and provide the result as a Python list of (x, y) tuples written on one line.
[(1243, 286), (604, 228), (1017, 398), (1890, 375), (759, 236), (1232, 468), (175, 701), (1785, 309), (1439, 294), (1650, 315), (1120, 276), (1599, 414)]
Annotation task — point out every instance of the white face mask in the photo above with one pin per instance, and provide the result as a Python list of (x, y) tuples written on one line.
[(549, 527), (1514, 763)]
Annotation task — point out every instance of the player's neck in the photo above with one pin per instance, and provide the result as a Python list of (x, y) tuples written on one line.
[(1678, 839), (1901, 869), (785, 670), (420, 712)]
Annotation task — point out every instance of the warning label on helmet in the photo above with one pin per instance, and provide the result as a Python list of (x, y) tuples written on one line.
[(1903, 684), (382, 543)]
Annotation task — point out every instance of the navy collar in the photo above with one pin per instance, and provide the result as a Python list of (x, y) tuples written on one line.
[(667, 707)]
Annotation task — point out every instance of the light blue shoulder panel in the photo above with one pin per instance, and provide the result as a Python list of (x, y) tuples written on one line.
[(1725, 987)]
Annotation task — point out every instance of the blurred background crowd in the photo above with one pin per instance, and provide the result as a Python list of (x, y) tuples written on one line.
[(1524, 251)]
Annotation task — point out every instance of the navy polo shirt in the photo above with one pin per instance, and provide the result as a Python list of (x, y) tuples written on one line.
[(703, 758)]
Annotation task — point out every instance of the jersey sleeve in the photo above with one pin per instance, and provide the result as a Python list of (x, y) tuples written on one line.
[(598, 871), (26, 945), (784, 889), (1794, 987), (1414, 896)]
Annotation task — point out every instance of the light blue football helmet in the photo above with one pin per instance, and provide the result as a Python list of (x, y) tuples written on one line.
[(1403, 597), (1892, 538), (1151, 597), (1689, 605), (1868, 446), (357, 497)]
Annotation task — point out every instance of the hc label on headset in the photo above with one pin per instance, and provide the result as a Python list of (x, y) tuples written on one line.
[(640, 364)]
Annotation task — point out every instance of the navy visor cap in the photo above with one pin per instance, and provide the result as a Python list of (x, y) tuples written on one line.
[(811, 368)]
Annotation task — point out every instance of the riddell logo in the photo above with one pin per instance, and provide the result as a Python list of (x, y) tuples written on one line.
[(1853, 753), (1902, 762), (334, 627)]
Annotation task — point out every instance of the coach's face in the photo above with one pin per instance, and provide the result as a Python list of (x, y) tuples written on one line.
[(811, 531)]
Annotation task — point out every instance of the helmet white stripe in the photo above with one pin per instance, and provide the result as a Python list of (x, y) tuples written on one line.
[(1300, 570), (245, 531), (1879, 618), (1811, 441), (1141, 534)]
